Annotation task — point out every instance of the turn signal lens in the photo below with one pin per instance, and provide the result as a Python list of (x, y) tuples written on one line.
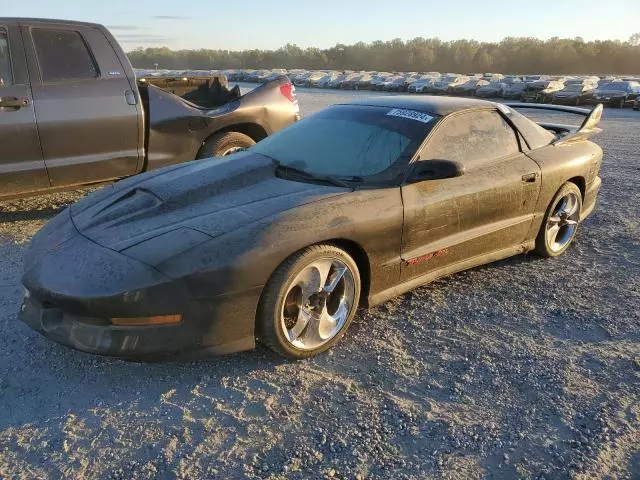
[(144, 321)]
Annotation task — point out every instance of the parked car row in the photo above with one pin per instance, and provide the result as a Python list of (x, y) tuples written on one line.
[(563, 90)]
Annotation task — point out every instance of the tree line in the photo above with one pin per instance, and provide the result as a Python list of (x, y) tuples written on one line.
[(511, 55)]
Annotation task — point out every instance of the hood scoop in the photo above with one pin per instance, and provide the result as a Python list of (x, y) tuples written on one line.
[(210, 196), (125, 208)]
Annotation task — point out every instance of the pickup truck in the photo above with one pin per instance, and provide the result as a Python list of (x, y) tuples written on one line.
[(73, 113)]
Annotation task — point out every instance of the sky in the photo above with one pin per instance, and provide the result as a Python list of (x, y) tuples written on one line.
[(267, 24)]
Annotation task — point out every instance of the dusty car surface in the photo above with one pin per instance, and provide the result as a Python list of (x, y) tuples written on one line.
[(72, 112), (351, 206)]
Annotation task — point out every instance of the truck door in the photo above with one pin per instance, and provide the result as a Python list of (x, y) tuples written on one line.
[(22, 169), (86, 112)]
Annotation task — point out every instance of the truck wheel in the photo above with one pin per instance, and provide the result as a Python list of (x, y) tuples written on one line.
[(225, 143)]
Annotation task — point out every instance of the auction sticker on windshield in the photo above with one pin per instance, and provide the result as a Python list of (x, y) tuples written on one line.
[(411, 114)]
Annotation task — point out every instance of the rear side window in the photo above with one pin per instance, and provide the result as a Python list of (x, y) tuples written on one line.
[(534, 134), (6, 77), (62, 55), (472, 138)]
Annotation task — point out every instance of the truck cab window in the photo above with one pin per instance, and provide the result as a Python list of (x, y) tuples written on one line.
[(62, 55), (6, 78)]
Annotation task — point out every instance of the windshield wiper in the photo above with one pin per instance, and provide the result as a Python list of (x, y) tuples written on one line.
[(337, 181)]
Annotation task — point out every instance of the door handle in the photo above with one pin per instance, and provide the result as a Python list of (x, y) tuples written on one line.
[(130, 97), (13, 102), (529, 177)]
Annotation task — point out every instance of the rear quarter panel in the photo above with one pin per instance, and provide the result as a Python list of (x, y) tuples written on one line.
[(578, 161), (178, 130)]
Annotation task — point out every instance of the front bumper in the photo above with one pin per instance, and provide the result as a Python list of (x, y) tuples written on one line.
[(590, 196), (96, 335), (74, 286), (612, 101), (566, 100)]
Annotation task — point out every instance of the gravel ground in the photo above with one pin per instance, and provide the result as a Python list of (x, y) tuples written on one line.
[(526, 368)]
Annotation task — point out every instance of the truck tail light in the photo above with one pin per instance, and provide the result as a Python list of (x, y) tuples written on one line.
[(289, 92)]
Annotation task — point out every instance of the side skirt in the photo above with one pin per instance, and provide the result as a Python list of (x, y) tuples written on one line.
[(392, 292)]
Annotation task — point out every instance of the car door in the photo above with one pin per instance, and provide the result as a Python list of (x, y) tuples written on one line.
[(85, 110), (487, 209), (21, 166)]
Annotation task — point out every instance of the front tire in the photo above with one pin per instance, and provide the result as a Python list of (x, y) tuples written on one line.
[(309, 302), (560, 223), (225, 143)]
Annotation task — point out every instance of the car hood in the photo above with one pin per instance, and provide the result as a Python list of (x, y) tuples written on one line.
[(209, 197)]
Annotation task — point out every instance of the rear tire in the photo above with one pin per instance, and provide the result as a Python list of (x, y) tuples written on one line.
[(309, 302), (560, 223), (225, 143)]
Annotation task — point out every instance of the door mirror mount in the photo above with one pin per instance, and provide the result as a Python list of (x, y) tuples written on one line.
[(435, 170)]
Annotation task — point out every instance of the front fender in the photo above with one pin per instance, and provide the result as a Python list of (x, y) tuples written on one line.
[(246, 257)]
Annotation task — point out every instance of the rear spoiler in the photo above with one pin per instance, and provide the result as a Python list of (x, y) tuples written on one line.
[(569, 132)]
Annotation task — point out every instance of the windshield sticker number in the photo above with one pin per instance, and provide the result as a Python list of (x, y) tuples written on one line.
[(410, 114)]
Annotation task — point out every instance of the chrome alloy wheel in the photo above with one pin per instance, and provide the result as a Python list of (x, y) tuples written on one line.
[(562, 224), (317, 303)]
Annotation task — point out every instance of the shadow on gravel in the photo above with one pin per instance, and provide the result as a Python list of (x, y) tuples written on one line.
[(104, 381), (525, 258), (27, 215)]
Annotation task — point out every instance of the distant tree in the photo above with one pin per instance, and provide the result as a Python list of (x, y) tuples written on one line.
[(518, 55)]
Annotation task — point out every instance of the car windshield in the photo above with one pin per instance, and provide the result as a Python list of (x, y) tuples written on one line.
[(614, 86), (371, 143), (574, 87)]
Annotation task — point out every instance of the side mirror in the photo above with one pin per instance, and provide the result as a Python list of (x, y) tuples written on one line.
[(435, 170)]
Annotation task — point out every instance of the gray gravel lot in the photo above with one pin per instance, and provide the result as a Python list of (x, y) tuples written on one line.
[(526, 368)]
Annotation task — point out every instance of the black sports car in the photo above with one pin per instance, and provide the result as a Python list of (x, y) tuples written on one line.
[(618, 93), (351, 206), (574, 94)]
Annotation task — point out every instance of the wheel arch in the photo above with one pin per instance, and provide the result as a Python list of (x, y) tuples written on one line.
[(581, 183), (253, 130), (359, 255), (355, 251)]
